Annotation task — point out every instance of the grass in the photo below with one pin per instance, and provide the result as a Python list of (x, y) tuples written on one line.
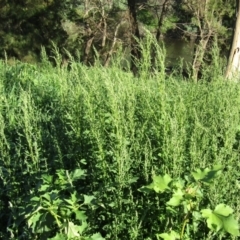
[(120, 129)]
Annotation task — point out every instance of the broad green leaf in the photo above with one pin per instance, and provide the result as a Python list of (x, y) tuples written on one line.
[(80, 215), (213, 221), (223, 210), (40, 222), (77, 174), (220, 218), (96, 236), (72, 230), (69, 201), (160, 184), (82, 227), (74, 197), (169, 236), (43, 188), (207, 175), (47, 197), (231, 225), (35, 199), (47, 178), (88, 199), (33, 220), (176, 198)]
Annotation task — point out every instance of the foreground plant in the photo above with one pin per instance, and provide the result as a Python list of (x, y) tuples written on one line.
[(187, 205), (57, 211)]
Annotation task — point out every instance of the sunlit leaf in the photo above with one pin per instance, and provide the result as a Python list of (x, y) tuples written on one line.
[(213, 221), (88, 199), (176, 198), (72, 230), (80, 215), (223, 210), (220, 218), (77, 174), (207, 175), (169, 236), (47, 178), (96, 236), (160, 184), (33, 220), (82, 227), (231, 226), (59, 236)]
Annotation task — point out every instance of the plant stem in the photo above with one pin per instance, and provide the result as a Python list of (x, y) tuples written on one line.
[(183, 227)]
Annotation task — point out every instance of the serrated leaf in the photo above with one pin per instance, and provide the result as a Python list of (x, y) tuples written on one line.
[(223, 210), (88, 199), (213, 221), (176, 198), (33, 220), (82, 227), (207, 175), (43, 188), (69, 201), (59, 236), (169, 236), (72, 230), (77, 174), (47, 178), (74, 197), (35, 199), (220, 218), (97, 236), (160, 184), (80, 215), (231, 226)]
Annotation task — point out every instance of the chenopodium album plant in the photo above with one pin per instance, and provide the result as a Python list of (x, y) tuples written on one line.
[(58, 212), (185, 204)]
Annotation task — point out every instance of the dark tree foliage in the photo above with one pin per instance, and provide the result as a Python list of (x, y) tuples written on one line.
[(25, 26)]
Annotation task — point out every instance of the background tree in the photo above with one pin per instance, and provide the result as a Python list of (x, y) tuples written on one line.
[(233, 67), (206, 22)]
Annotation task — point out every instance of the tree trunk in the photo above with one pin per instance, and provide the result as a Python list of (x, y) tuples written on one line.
[(109, 55), (199, 55), (160, 19), (135, 35), (233, 68)]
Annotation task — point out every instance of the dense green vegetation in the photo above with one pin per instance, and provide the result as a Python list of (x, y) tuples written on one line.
[(77, 144)]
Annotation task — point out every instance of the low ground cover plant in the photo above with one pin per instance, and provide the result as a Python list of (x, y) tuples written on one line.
[(186, 206)]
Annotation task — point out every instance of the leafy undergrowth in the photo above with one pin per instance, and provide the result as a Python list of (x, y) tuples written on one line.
[(77, 144)]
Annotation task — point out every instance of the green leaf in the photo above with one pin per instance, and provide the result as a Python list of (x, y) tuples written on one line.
[(33, 220), (96, 236), (169, 236), (223, 210), (74, 197), (80, 215), (77, 174), (72, 230), (231, 226), (207, 175), (82, 227), (88, 199), (221, 217), (47, 179), (43, 188), (213, 221), (176, 198), (160, 184), (35, 199)]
